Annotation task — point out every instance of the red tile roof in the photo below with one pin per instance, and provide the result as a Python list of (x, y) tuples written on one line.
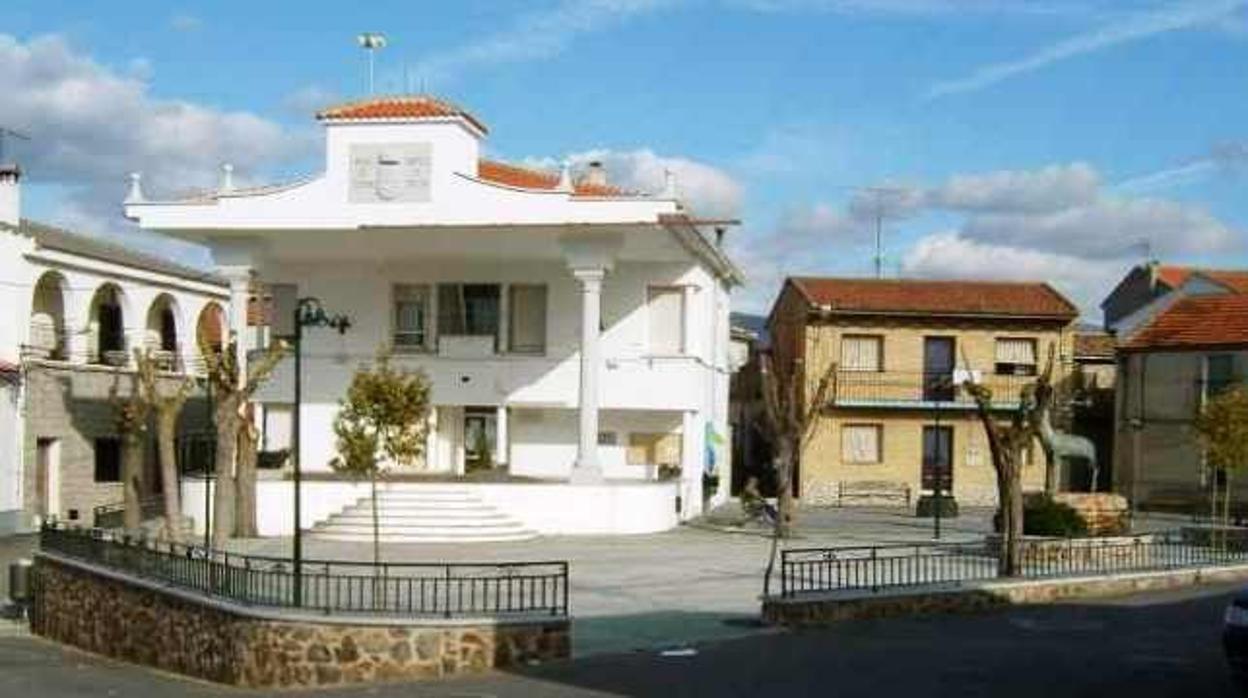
[(1196, 322), (399, 107), (1234, 279), (1094, 345), (913, 296), (527, 178)]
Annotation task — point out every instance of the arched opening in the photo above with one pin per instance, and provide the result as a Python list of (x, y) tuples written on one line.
[(108, 327), (162, 332), (210, 329), (47, 319)]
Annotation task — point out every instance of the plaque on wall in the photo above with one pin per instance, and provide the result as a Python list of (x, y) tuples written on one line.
[(390, 173)]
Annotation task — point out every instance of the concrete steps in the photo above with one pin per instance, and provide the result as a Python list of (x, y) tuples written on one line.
[(441, 514)]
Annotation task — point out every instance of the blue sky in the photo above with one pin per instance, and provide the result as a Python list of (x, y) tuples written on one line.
[(1044, 140)]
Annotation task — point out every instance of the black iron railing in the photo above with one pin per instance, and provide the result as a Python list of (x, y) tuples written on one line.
[(493, 589), (902, 388), (881, 567)]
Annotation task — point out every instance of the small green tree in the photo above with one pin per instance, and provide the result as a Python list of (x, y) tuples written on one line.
[(381, 422), (1223, 430)]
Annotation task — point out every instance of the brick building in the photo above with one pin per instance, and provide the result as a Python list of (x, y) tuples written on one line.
[(898, 350)]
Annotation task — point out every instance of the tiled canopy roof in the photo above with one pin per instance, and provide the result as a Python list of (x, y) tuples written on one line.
[(1234, 279), (399, 107), (1094, 345), (1196, 322), (527, 178), (907, 296)]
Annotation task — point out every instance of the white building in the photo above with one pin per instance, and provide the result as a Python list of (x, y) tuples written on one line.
[(576, 335), (73, 309)]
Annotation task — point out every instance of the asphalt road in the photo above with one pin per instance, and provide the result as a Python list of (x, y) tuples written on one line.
[(1142, 646)]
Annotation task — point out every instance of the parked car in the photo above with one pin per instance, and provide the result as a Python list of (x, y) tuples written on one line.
[(1235, 638)]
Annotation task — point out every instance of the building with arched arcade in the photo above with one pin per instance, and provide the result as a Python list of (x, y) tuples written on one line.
[(75, 309)]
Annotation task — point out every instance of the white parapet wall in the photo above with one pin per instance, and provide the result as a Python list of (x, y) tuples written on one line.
[(554, 508)]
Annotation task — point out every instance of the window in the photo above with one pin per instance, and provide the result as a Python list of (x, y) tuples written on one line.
[(108, 460), (168, 330), (468, 309), (527, 319), (112, 333), (607, 438), (1016, 357), (1219, 373), (665, 306), (653, 449), (862, 353), (860, 443), (411, 317)]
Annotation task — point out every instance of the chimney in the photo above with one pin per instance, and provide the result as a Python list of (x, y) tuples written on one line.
[(10, 194), (596, 175)]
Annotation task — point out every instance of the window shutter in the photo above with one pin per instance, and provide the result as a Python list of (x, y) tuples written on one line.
[(860, 443), (1016, 351), (860, 353), (528, 318), (665, 307)]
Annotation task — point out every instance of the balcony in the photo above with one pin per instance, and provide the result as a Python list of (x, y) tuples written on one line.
[(918, 390)]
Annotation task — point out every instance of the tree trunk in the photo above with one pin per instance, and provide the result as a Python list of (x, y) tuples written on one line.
[(166, 428), (784, 489), (223, 499), (132, 479), (245, 527), (1011, 508)]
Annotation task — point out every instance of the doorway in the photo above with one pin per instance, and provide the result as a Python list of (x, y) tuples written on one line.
[(938, 458), (480, 439), (939, 359), (48, 478)]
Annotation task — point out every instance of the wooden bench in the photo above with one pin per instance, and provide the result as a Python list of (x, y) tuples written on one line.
[(872, 489)]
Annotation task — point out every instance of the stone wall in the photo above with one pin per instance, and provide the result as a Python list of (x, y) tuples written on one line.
[(136, 621), (70, 404), (825, 609)]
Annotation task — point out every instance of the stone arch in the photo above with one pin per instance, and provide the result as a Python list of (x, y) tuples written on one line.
[(48, 339), (106, 326), (164, 330)]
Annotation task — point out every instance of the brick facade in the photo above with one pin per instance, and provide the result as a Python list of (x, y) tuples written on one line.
[(71, 404)]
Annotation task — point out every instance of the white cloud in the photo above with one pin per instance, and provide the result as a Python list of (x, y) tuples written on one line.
[(954, 256), (532, 36), (1120, 30), (1049, 188), (1108, 228), (707, 190), (309, 99), (89, 125), (918, 8)]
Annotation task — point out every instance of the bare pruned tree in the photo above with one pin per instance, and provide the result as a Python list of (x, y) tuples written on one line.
[(792, 410), (167, 402), (132, 413)]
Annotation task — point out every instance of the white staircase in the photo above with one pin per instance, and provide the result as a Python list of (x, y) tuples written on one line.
[(423, 514)]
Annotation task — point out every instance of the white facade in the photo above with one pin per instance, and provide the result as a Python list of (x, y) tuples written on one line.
[(584, 331), (75, 306)]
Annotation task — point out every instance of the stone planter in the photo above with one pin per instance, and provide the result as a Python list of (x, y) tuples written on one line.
[(1073, 554), (1104, 514)]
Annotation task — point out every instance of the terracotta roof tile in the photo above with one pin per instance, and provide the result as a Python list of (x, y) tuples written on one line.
[(528, 178), (1196, 322), (399, 107), (1234, 279), (1094, 345), (914, 296)]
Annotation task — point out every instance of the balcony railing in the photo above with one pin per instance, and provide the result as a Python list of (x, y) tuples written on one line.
[(918, 389)]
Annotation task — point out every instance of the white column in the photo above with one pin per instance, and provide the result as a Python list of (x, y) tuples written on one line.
[(240, 290), (502, 437), (687, 315), (692, 455), (588, 468)]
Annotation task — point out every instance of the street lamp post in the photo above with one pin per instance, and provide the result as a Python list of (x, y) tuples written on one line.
[(308, 313)]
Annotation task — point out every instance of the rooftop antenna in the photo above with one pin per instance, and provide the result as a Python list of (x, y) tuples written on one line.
[(5, 135), (879, 193), (371, 42)]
